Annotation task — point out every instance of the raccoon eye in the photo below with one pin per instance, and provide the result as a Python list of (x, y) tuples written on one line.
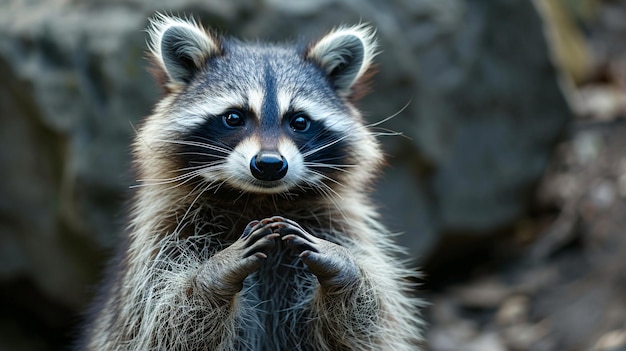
[(300, 122), (233, 118)]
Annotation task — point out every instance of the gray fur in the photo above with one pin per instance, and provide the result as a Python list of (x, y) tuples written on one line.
[(216, 260)]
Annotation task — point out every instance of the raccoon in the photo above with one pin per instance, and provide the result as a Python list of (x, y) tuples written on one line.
[(251, 226)]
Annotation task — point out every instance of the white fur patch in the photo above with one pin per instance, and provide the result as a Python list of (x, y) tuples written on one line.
[(318, 111), (290, 152), (238, 162), (256, 97), (190, 116), (283, 98), (237, 171)]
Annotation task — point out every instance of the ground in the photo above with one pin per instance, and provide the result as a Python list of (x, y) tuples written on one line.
[(557, 279)]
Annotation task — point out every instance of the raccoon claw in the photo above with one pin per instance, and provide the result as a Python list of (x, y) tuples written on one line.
[(257, 237), (248, 228), (333, 269), (223, 274), (332, 264)]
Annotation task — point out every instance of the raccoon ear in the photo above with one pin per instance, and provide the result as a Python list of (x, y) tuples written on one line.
[(180, 47), (345, 54)]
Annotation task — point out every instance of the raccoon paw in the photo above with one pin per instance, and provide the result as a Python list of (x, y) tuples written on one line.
[(333, 265), (223, 274), (256, 239)]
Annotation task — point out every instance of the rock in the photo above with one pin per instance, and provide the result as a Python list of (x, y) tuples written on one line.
[(485, 294), (73, 81), (488, 101), (514, 310), (612, 341), (462, 337)]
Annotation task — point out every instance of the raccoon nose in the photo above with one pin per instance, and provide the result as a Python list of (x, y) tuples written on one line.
[(268, 166)]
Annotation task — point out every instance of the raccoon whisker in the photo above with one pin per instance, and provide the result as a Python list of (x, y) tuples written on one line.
[(241, 194), (214, 184), (322, 134), (318, 165), (207, 187), (273, 197), (152, 182), (377, 131), (326, 145), (182, 220), (375, 124), (324, 176), (193, 170), (326, 162), (326, 190), (290, 195), (195, 189), (197, 170), (328, 159), (209, 145), (318, 184), (218, 186), (197, 167), (197, 144), (210, 141), (327, 178), (202, 154), (329, 190), (328, 193), (388, 133), (303, 188), (216, 143)]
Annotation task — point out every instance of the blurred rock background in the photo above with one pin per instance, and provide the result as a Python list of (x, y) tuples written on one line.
[(509, 183)]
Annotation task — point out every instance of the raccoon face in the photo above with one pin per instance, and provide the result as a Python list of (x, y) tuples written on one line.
[(262, 118)]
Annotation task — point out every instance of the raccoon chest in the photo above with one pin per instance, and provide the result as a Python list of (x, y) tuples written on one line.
[(276, 303)]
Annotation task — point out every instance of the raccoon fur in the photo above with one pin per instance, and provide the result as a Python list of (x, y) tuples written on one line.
[(251, 226)]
